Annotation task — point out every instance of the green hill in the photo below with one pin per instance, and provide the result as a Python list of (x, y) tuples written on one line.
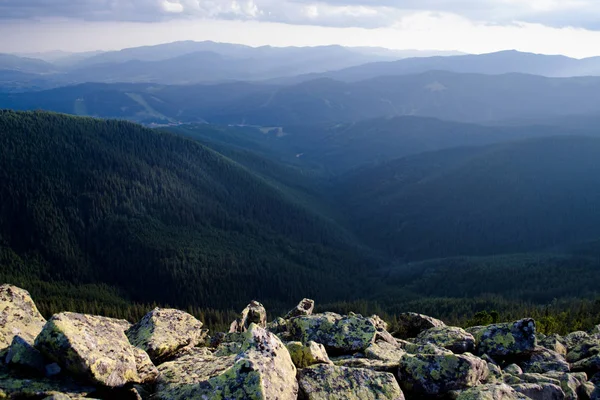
[(148, 216)]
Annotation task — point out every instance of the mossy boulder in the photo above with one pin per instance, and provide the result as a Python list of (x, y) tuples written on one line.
[(452, 338), (23, 355), (94, 348), (411, 324), (429, 348), (543, 391), (339, 334), (570, 383), (18, 316), (575, 338), (305, 355), (305, 307), (263, 369), (438, 374), (254, 313), (162, 332), (513, 369), (591, 364), (327, 382), (491, 392), (366, 363), (508, 339), (544, 360)]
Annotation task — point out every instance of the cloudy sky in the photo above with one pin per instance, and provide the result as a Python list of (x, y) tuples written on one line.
[(570, 27)]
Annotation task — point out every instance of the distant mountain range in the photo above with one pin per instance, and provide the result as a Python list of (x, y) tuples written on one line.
[(445, 95)]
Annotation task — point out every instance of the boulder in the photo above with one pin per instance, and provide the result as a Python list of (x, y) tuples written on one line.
[(454, 339), (339, 334), (305, 355), (544, 391), (305, 307), (513, 369), (23, 355), (428, 348), (263, 369), (584, 349), (384, 351), (508, 339), (254, 313), (327, 382), (555, 343), (438, 374), (544, 360), (491, 392), (379, 323), (94, 348), (575, 338), (411, 324), (591, 364), (367, 363), (18, 316), (162, 332)]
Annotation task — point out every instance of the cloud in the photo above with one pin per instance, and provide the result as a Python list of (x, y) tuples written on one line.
[(337, 13)]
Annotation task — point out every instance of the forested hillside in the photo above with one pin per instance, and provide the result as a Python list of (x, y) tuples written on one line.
[(148, 216), (517, 197)]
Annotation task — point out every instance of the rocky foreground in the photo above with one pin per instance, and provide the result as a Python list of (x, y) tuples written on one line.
[(167, 355)]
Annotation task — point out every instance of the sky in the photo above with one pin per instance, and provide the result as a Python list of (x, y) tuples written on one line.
[(569, 27)]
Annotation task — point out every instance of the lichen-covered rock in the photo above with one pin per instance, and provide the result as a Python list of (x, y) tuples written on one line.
[(555, 343), (508, 339), (570, 383), (591, 364), (22, 354), (491, 392), (543, 391), (52, 370), (327, 382), (586, 348), (305, 355), (438, 374), (263, 369), (513, 369), (367, 363), (428, 348), (162, 332), (411, 324), (18, 316), (94, 348), (454, 339), (495, 374), (575, 338), (254, 313), (339, 334), (17, 387), (278, 325), (544, 360), (385, 351), (305, 307)]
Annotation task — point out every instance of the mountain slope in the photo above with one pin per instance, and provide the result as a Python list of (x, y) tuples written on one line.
[(157, 218), (518, 197)]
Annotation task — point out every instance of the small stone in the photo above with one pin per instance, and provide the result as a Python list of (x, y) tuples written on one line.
[(513, 369), (52, 370)]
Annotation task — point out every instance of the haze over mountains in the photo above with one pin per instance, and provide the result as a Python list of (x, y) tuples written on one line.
[(348, 171)]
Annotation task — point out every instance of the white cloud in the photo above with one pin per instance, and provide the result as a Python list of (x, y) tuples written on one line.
[(172, 7)]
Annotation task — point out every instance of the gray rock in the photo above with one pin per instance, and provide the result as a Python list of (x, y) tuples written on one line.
[(305, 307), (454, 339), (52, 370), (513, 369), (545, 360), (326, 382), (18, 316), (254, 313), (438, 374), (411, 324), (508, 339), (162, 332), (339, 334), (544, 391), (491, 392), (23, 355), (94, 348), (305, 355)]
